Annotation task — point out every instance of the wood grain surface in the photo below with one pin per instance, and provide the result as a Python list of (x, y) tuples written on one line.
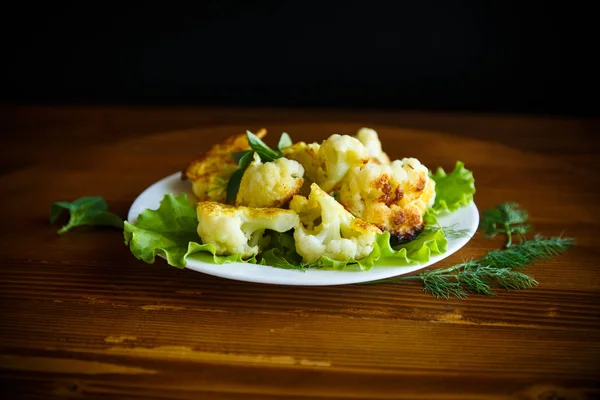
[(82, 318)]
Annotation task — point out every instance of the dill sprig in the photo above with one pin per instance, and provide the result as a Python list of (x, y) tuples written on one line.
[(474, 278), (506, 218), (449, 231), (500, 268), (527, 252)]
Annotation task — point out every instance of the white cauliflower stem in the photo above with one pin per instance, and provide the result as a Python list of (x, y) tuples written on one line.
[(239, 230), (327, 229), (270, 184)]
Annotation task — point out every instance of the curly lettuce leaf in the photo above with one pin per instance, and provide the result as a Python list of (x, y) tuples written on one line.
[(453, 190), (171, 232), (418, 250), (281, 253)]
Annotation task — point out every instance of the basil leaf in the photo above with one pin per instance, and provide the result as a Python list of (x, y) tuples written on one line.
[(237, 156), (246, 160), (284, 141), (234, 185), (265, 152), (85, 211), (57, 208), (103, 218)]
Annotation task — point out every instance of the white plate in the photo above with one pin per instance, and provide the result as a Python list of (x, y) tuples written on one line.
[(465, 218)]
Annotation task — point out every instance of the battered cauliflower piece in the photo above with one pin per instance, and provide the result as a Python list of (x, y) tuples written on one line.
[(270, 184), (370, 139), (210, 172), (393, 197), (239, 230), (326, 164), (327, 229)]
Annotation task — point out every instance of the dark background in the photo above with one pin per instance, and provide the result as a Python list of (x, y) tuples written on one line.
[(523, 57)]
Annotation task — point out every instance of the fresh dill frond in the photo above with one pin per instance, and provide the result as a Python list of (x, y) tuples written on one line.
[(527, 252), (449, 231), (473, 277), (500, 268), (440, 285), (481, 278), (506, 218)]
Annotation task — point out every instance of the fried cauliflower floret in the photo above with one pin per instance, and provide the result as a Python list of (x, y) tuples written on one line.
[(370, 139), (393, 197), (210, 172), (239, 230), (326, 164), (270, 184), (307, 154), (327, 229)]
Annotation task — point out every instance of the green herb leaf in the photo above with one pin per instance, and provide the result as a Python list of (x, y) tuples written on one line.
[(85, 211), (506, 218), (453, 190), (237, 156), (284, 141), (265, 152), (233, 185), (527, 252)]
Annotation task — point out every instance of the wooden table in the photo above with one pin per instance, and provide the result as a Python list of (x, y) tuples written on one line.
[(82, 318)]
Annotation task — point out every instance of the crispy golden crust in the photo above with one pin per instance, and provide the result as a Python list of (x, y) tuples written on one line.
[(289, 195), (212, 161), (365, 226), (220, 209), (210, 171), (403, 224), (397, 208), (390, 194), (407, 235)]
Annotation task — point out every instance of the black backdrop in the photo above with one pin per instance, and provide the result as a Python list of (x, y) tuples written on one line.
[(500, 56)]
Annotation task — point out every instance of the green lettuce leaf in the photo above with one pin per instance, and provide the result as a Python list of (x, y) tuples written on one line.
[(170, 231), (452, 190), (419, 250)]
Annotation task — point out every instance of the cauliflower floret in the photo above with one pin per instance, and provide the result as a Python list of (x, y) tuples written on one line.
[(340, 153), (327, 229), (369, 138), (308, 156), (393, 197), (210, 171), (326, 164), (239, 230), (270, 184)]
